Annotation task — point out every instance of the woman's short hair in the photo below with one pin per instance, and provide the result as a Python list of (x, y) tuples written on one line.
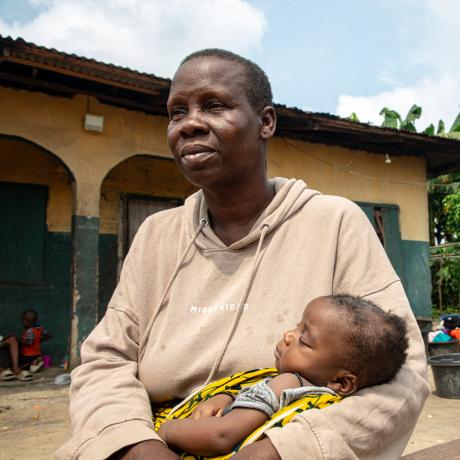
[(258, 86)]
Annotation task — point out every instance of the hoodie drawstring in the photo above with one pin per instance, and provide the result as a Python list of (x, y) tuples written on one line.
[(239, 311), (145, 337)]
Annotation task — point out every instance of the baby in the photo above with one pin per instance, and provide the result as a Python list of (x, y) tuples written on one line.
[(342, 344)]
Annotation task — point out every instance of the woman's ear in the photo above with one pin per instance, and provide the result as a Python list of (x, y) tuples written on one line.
[(345, 383), (268, 118)]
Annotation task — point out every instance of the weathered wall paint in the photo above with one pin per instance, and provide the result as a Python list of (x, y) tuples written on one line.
[(23, 163), (56, 124), (293, 159), (85, 248), (108, 267)]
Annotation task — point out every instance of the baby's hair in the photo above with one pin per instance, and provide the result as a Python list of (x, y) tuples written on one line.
[(375, 341), (29, 312), (259, 90)]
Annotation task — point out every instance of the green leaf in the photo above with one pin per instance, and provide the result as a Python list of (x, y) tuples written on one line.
[(353, 117), (456, 125), (414, 113), (441, 128), (452, 135), (390, 118), (429, 130)]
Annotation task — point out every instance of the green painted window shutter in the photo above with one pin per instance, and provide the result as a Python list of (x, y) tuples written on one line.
[(369, 211), (392, 238), (22, 233), (391, 231)]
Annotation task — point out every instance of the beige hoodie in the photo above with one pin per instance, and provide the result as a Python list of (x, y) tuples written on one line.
[(185, 300)]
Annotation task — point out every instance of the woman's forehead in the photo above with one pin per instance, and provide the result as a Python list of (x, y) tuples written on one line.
[(208, 70)]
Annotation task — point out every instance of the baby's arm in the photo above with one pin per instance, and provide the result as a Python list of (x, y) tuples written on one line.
[(211, 435), (212, 407), (218, 435)]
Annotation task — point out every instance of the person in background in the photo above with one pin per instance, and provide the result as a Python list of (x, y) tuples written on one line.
[(10, 369), (31, 339)]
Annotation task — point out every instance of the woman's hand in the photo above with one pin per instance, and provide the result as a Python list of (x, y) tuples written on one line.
[(145, 450), (212, 407), (260, 450)]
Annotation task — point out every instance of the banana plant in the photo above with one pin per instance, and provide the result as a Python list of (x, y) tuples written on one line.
[(392, 119)]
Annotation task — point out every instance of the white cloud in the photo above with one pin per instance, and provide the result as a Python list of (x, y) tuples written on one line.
[(151, 36), (437, 89)]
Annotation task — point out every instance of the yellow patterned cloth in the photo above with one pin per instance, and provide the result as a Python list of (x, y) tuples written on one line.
[(233, 384)]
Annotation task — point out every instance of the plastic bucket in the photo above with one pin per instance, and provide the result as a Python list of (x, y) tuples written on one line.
[(446, 373), (442, 348)]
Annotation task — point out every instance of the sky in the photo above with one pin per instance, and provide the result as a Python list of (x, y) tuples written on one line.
[(329, 56)]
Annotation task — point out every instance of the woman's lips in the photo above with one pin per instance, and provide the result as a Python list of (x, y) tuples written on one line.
[(194, 155)]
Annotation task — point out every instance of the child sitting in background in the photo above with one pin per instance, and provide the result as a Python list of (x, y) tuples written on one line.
[(31, 339), (342, 344)]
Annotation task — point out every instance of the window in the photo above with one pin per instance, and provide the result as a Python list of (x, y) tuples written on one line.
[(385, 220), (22, 233)]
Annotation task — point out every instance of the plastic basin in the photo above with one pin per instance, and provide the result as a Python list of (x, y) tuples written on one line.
[(442, 348), (446, 373)]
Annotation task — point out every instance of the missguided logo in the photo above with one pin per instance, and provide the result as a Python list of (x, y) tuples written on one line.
[(218, 308)]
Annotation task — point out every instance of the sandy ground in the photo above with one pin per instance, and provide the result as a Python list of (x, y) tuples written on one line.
[(34, 422)]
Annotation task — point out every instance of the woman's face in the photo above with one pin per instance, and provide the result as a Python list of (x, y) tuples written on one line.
[(314, 348), (214, 133)]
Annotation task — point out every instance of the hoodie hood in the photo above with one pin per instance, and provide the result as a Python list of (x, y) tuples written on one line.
[(290, 196)]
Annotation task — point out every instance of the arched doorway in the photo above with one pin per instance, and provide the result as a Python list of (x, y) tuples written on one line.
[(133, 189), (36, 190)]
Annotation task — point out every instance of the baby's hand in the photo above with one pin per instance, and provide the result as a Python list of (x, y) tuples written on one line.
[(212, 407), (163, 430)]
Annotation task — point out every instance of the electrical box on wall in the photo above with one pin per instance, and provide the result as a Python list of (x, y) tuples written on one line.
[(94, 123)]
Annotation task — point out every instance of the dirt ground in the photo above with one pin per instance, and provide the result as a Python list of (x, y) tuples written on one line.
[(34, 422)]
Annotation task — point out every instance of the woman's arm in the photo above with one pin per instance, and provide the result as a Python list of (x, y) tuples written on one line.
[(109, 405), (146, 450), (260, 450)]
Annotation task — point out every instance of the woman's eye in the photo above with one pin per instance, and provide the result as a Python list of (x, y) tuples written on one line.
[(176, 113), (215, 105)]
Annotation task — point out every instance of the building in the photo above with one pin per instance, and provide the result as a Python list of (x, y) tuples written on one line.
[(84, 158)]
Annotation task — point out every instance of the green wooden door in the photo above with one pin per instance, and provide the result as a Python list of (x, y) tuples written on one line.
[(22, 233)]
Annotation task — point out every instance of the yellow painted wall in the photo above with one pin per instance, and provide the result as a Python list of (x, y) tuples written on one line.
[(24, 163), (359, 176), (139, 175), (56, 123)]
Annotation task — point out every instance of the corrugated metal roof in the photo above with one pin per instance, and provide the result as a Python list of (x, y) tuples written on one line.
[(71, 74), (14, 49)]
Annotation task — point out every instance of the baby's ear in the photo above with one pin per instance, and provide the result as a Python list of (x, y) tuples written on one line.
[(345, 383)]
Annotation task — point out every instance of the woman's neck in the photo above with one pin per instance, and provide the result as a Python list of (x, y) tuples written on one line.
[(233, 212)]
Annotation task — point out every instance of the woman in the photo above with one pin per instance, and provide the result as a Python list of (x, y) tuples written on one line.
[(207, 288)]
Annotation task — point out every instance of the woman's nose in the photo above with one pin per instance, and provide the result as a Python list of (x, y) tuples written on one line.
[(193, 124)]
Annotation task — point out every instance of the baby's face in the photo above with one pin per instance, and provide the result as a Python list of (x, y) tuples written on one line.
[(314, 347)]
